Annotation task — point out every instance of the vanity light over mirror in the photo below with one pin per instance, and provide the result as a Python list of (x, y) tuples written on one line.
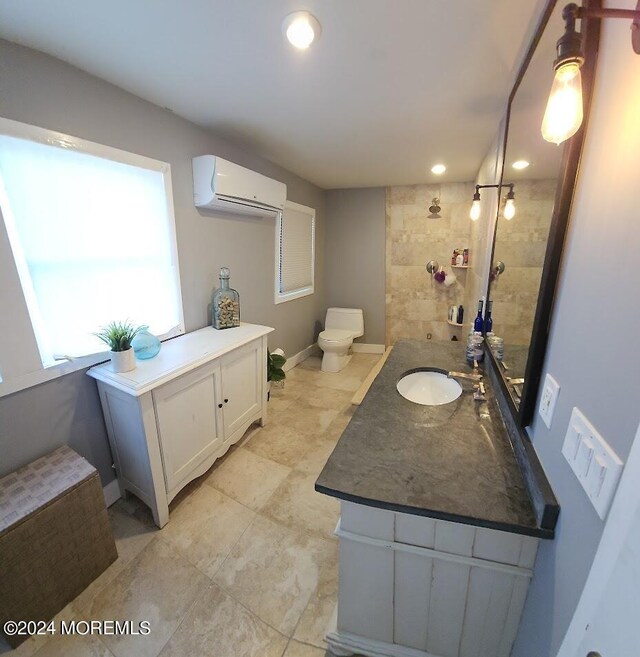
[(527, 249)]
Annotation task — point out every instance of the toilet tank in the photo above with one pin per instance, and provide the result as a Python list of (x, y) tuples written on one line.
[(346, 319)]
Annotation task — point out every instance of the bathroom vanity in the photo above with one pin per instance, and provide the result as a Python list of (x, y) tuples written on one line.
[(174, 415), (440, 521)]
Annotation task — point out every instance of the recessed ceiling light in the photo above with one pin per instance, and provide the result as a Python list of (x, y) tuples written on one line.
[(438, 169), (520, 164), (301, 28)]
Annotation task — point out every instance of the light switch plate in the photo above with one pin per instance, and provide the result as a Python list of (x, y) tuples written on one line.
[(548, 399), (594, 463)]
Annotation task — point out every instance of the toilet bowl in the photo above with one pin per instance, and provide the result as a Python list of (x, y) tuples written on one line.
[(342, 325)]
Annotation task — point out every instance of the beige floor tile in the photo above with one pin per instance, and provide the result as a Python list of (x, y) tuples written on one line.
[(131, 536), (302, 450), (74, 646), (158, 586), (318, 617), (327, 397), (281, 398), (247, 478), (273, 571), (297, 505), (307, 418), (217, 626), (205, 526), (297, 649)]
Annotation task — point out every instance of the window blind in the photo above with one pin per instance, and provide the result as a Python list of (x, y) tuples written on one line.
[(296, 250)]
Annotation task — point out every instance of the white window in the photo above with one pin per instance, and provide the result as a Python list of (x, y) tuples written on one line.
[(295, 252), (92, 235)]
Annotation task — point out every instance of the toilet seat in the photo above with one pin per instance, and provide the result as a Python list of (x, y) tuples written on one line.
[(336, 335)]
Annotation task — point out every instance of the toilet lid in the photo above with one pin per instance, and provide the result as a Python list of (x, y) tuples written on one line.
[(336, 335)]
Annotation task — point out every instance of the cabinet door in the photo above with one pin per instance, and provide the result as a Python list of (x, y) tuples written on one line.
[(188, 422), (241, 386)]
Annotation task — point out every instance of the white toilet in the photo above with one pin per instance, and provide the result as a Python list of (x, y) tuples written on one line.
[(341, 326)]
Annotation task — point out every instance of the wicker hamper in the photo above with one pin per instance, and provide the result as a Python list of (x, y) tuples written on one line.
[(55, 536)]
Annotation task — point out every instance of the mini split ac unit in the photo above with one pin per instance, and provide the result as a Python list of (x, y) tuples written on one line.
[(222, 185)]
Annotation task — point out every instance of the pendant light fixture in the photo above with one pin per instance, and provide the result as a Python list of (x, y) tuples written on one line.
[(564, 111)]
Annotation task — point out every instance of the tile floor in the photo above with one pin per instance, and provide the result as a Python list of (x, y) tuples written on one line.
[(247, 565)]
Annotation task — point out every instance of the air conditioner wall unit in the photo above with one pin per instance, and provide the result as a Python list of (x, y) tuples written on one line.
[(222, 185)]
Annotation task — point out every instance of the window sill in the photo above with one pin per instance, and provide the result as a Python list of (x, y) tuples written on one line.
[(49, 373), (65, 367), (290, 296)]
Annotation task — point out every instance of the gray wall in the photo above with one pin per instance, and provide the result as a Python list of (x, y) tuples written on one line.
[(355, 256), (43, 91), (593, 341)]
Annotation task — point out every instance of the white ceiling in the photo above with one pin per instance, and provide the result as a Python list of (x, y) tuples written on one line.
[(390, 88)]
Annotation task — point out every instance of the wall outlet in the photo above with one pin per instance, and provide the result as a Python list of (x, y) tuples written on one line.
[(548, 400)]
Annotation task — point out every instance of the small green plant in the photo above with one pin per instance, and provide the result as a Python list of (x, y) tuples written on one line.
[(118, 335), (275, 362)]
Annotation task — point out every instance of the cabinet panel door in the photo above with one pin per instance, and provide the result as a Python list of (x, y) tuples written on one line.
[(188, 427), (241, 385)]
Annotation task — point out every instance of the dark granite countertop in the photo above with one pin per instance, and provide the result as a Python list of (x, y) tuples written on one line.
[(454, 462)]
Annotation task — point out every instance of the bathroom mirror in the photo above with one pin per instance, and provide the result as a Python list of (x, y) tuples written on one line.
[(527, 248)]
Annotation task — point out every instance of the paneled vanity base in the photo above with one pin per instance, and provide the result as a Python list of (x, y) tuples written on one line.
[(412, 586), (173, 416)]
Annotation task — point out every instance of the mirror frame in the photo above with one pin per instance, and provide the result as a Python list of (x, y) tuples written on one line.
[(523, 414)]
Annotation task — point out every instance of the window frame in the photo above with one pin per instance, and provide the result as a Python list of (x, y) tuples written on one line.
[(14, 383), (283, 297)]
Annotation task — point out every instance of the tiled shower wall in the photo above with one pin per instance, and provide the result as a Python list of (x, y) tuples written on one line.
[(416, 305), (521, 244)]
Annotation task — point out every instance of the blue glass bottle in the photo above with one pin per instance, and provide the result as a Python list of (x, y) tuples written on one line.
[(477, 325), (145, 345), (488, 321)]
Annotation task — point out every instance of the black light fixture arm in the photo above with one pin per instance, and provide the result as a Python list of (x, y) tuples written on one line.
[(571, 12), (479, 187)]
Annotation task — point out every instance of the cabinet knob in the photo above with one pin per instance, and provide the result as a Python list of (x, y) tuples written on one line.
[(219, 405), (226, 401)]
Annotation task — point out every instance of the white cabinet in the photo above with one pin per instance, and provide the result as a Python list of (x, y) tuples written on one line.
[(241, 386), (173, 416), (189, 427), (421, 587)]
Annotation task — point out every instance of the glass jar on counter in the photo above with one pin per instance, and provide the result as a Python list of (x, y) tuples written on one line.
[(475, 348), (225, 304), (496, 345)]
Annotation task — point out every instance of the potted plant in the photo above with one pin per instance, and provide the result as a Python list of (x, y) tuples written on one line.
[(275, 363), (118, 335)]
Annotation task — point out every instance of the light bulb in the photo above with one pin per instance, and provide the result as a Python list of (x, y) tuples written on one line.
[(509, 209), (563, 115), (301, 28), (474, 213), (438, 169)]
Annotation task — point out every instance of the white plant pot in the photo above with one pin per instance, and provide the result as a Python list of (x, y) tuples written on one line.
[(123, 361)]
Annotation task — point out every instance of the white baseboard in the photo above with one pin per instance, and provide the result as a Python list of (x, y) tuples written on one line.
[(363, 348), (294, 360), (111, 492)]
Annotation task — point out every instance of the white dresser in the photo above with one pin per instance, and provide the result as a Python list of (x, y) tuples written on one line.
[(174, 415)]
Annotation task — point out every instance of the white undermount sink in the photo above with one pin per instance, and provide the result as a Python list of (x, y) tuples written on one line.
[(429, 388)]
